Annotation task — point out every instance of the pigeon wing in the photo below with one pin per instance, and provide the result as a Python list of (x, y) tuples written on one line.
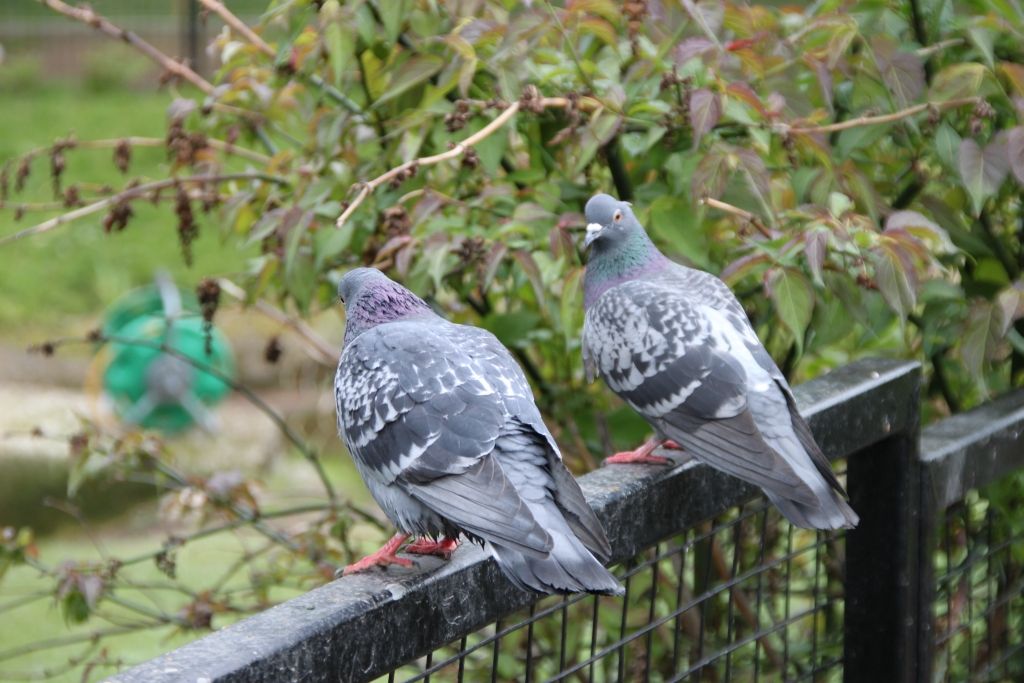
[(416, 413), (662, 353), (508, 378)]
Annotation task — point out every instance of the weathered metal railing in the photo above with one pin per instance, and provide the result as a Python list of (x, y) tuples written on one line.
[(716, 581)]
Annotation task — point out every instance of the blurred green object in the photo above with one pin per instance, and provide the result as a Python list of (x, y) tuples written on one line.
[(155, 389)]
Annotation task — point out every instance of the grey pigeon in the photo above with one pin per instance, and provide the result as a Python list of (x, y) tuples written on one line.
[(443, 428), (677, 346)]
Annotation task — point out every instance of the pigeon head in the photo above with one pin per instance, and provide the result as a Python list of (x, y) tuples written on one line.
[(619, 248), (609, 222), (371, 298)]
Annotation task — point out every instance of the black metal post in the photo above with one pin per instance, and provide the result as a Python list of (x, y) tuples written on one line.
[(192, 36), (889, 579)]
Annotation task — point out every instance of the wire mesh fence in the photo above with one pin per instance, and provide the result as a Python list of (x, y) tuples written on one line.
[(744, 596), (718, 586), (31, 31), (979, 602)]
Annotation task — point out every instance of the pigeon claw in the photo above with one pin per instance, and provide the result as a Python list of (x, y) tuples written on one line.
[(443, 548), (641, 455), (382, 558), (634, 458)]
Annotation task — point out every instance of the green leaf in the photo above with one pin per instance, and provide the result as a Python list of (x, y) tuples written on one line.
[(339, 40), (512, 329), (947, 145), (982, 39), (982, 170), (962, 80), (895, 280), (794, 301), (411, 73), (674, 222), (571, 305), (392, 15)]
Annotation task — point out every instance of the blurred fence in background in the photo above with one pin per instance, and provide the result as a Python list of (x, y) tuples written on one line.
[(63, 48)]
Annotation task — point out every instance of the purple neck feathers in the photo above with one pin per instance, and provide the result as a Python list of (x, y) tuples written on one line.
[(378, 303)]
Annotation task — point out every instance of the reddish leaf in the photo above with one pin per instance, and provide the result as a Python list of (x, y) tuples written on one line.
[(739, 268), (745, 93), (753, 166), (1015, 152), (982, 171), (815, 243), (921, 228), (711, 174), (902, 72), (705, 110), (494, 260), (690, 48), (529, 266)]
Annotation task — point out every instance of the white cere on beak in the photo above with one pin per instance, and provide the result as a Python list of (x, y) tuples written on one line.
[(593, 229)]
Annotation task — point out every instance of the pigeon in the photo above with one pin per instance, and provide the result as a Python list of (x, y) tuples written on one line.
[(443, 428), (677, 346)]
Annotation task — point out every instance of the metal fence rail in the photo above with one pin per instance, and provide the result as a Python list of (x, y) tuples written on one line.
[(719, 586), (365, 626)]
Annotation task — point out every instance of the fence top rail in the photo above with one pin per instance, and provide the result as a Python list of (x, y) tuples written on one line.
[(362, 626), (973, 449)]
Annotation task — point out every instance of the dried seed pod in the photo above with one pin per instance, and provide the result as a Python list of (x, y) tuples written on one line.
[(208, 294), (123, 155), (273, 350), (188, 229)]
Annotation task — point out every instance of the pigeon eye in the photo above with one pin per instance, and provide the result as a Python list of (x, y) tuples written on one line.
[(618, 216)]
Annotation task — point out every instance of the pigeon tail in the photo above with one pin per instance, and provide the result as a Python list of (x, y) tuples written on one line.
[(569, 567), (830, 512)]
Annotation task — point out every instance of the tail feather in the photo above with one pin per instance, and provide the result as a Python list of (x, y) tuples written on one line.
[(569, 567), (832, 512)]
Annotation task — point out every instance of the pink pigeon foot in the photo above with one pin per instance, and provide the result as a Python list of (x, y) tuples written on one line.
[(382, 558), (641, 455), (443, 548)]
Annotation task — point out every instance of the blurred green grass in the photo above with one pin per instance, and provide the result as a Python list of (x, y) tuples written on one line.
[(76, 270)]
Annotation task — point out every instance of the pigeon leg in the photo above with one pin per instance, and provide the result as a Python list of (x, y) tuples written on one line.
[(671, 445), (443, 548), (640, 455), (382, 558)]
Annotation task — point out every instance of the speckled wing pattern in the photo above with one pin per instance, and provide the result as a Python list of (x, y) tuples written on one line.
[(684, 362), (417, 412)]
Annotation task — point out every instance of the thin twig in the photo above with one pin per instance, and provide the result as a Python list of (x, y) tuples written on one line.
[(88, 16), (134, 193), (737, 211), (74, 639), (366, 188), (882, 118), (319, 348)]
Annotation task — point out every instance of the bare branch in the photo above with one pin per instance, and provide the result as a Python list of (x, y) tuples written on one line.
[(87, 15), (238, 25), (458, 150), (737, 211), (134, 193), (882, 118), (318, 348)]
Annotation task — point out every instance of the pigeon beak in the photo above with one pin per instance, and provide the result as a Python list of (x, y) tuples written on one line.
[(593, 232)]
